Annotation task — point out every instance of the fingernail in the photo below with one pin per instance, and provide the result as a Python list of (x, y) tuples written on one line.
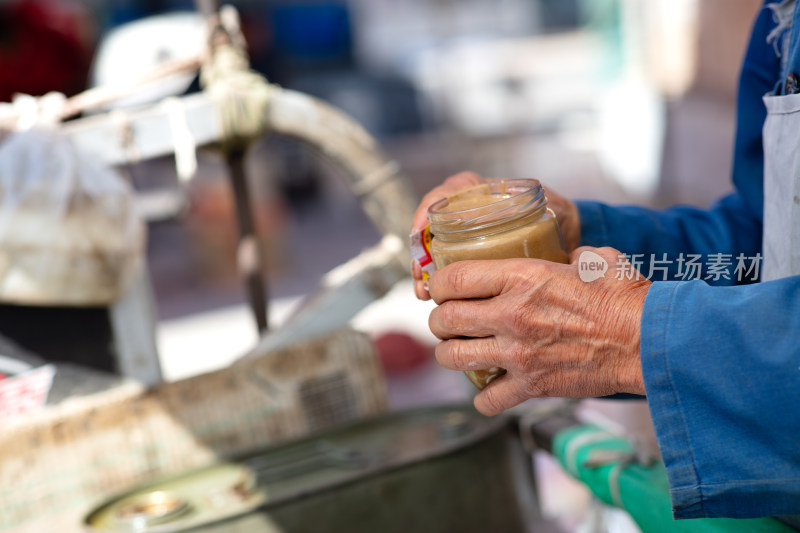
[(425, 285)]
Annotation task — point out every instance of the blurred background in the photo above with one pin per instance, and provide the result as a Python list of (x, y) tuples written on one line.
[(625, 101), (616, 100)]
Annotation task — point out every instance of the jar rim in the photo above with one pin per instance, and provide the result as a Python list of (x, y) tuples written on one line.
[(523, 197)]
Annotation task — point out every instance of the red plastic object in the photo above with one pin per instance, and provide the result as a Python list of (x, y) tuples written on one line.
[(400, 352)]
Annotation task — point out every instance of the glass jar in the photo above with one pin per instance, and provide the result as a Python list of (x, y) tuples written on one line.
[(500, 219)]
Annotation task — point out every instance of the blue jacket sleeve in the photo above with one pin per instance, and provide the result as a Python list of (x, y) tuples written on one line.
[(721, 367), (730, 227)]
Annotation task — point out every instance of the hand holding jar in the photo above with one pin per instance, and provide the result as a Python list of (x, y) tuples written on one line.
[(497, 314), (554, 334)]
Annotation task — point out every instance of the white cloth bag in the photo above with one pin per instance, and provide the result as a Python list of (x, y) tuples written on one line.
[(69, 233)]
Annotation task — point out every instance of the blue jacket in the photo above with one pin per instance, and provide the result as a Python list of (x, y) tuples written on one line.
[(721, 361)]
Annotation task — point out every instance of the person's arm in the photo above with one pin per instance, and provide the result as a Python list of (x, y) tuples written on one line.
[(729, 227), (721, 368)]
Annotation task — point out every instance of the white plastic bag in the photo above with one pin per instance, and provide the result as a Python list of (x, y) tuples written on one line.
[(69, 233)]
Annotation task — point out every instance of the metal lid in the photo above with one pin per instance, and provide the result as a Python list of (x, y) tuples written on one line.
[(181, 502)]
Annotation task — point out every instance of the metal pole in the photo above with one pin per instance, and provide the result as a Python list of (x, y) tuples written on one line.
[(248, 257), (207, 8), (249, 254), (217, 34)]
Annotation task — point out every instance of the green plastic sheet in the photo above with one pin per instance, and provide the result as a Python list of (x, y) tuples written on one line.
[(604, 462)]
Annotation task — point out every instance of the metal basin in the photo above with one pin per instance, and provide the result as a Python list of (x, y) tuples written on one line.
[(440, 469)]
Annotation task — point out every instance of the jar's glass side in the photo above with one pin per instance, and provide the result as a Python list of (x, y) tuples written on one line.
[(540, 239)]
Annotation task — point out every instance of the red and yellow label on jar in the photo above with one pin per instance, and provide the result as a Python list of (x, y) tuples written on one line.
[(421, 251)]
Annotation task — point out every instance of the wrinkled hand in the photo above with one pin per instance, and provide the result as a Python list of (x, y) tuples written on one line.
[(555, 334), (565, 210)]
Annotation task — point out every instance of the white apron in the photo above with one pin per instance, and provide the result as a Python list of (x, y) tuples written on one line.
[(781, 241)]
